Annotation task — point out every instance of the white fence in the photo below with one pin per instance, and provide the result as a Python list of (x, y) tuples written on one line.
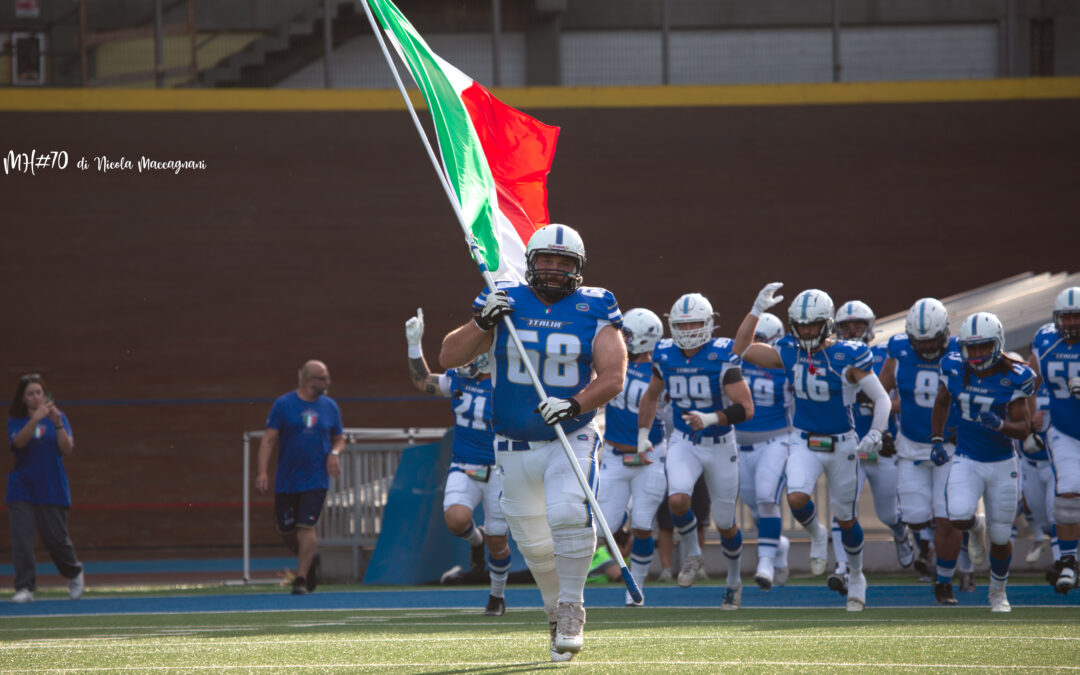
[(352, 514)]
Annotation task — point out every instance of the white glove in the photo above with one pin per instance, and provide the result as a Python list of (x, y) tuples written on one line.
[(496, 306), (643, 443), (765, 298), (871, 443), (708, 419), (414, 328), (555, 410), (1074, 386)]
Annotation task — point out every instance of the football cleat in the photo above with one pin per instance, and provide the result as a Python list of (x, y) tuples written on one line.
[(999, 603), (1037, 549), (452, 575), (943, 593), (76, 585), (732, 599), (763, 577), (967, 581), (819, 551), (977, 541), (856, 596), (495, 606), (782, 574), (689, 572), (569, 627), (905, 552), (665, 576), (1066, 580), (838, 580), (553, 625)]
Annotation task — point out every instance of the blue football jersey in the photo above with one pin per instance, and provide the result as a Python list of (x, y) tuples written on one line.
[(1042, 404), (823, 396), (1058, 363), (696, 383), (975, 395), (917, 381), (621, 413), (474, 440), (559, 341), (772, 399)]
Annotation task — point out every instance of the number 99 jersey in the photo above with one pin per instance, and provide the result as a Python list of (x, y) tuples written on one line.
[(974, 395), (558, 339), (823, 395), (695, 383), (917, 381)]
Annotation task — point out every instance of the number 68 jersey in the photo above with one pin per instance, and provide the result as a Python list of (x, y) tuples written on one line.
[(822, 393), (974, 395), (558, 339)]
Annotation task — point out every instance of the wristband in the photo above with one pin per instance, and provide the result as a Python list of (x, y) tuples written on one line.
[(335, 453), (735, 413), (642, 435), (937, 439), (415, 352)]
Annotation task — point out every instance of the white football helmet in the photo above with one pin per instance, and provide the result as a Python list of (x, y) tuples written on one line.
[(642, 330), (1067, 303), (811, 307), (691, 308), (479, 366), (977, 329), (560, 240), (769, 328), (855, 310), (927, 327)]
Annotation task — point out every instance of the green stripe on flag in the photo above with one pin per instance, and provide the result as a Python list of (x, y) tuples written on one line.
[(462, 155)]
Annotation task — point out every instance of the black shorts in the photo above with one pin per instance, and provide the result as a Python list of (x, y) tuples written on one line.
[(298, 509), (700, 504)]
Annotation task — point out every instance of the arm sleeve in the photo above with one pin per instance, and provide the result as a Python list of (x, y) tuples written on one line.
[(445, 384), (871, 386)]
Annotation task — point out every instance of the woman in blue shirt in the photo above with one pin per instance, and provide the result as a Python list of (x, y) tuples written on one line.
[(38, 497)]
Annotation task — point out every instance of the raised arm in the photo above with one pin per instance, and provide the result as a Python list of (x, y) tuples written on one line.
[(421, 376), (766, 298)]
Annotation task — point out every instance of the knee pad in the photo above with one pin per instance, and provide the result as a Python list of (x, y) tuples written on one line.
[(999, 533), (1067, 510), (533, 538), (574, 542), (768, 510), (568, 514)]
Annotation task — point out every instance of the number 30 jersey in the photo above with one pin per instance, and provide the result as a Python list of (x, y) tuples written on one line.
[(558, 339), (621, 413), (917, 381), (695, 383), (474, 441), (823, 395), (974, 395), (1059, 362)]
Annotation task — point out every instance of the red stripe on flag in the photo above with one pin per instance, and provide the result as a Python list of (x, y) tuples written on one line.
[(519, 150)]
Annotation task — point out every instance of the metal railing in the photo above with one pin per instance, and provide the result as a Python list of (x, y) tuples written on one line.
[(356, 500)]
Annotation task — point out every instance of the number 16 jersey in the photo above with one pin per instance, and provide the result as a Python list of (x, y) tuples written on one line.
[(822, 393)]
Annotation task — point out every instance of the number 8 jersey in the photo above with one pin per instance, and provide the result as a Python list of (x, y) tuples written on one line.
[(917, 381), (559, 341), (822, 393)]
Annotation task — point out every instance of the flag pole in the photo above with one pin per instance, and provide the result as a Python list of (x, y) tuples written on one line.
[(631, 585)]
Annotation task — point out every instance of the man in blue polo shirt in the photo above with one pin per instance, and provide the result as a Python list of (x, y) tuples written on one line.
[(306, 424)]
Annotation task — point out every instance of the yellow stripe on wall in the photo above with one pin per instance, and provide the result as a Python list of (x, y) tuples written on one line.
[(271, 100)]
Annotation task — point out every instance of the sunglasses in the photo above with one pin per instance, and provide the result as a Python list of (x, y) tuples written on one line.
[(32, 377)]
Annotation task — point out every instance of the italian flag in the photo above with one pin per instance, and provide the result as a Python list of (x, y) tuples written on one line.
[(495, 157)]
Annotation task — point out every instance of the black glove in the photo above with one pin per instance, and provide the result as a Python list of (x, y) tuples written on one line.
[(496, 307), (888, 445)]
